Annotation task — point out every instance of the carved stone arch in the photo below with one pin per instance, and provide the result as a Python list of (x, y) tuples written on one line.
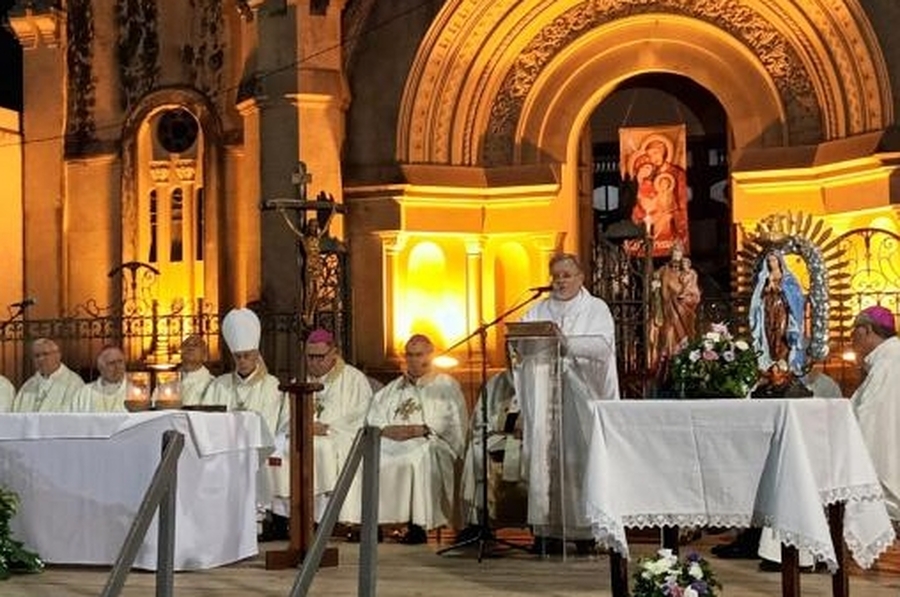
[(210, 123), (483, 61), (570, 88)]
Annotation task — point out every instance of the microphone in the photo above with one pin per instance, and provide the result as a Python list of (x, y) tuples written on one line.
[(24, 303), (269, 204), (546, 288)]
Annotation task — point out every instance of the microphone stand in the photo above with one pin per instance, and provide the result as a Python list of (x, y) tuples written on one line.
[(485, 534)]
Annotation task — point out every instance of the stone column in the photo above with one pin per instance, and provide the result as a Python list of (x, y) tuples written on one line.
[(272, 118), (392, 245), (475, 286), (322, 97), (41, 34)]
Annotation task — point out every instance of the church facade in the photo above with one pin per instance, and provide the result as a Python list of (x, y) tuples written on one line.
[(464, 140)]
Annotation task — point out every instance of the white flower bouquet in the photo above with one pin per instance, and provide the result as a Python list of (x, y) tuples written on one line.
[(667, 576)]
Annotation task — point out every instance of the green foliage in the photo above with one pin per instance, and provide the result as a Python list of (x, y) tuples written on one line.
[(667, 576), (13, 556), (715, 365)]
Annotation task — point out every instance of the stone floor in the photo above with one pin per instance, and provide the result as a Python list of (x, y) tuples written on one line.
[(407, 571)]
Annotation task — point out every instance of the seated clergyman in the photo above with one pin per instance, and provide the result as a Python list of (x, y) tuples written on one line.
[(507, 489), (53, 386), (108, 392), (421, 415), (340, 409)]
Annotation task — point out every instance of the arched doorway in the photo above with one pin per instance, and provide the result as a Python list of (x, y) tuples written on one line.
[(500, 94)]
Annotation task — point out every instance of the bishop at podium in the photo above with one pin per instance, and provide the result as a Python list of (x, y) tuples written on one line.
[(586, 372)]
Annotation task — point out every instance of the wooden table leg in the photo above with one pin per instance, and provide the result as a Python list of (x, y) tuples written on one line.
[(618, 572), (840, 581), (790, 571), (670, 539)]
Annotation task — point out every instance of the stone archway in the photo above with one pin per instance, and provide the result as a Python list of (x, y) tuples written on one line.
[(502, 82), (200, 177)]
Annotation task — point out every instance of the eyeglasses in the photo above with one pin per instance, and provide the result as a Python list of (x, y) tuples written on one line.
[(312, 356)]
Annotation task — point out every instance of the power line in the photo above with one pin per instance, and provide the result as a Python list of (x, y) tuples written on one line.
[(258, 76)]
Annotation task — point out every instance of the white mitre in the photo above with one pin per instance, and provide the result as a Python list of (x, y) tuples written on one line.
[(241, 330)]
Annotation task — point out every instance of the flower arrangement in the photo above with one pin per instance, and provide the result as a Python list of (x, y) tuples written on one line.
[(716, 364), (666, 576), (13, 555)]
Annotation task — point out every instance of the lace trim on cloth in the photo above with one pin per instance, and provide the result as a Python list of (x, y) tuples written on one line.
[(821, 551), (865, 555), (609, 532), (858, 493)]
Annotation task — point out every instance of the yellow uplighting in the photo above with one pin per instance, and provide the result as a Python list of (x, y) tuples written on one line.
[(445, 361), (431, 298)]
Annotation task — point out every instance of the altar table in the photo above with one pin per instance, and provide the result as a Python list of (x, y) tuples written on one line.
[(81, 478), (735, 463)]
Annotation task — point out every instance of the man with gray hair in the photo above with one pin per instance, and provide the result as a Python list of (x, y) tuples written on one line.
[(193, 376), (53, 386), (588, 373), (108, 392)]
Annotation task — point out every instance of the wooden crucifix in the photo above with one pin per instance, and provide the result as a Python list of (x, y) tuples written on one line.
[(309, 221)]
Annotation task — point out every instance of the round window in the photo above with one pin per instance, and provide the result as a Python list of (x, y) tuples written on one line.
[(177, 130)]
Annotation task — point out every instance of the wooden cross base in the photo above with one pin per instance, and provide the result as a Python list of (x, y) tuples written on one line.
[(300, 525)]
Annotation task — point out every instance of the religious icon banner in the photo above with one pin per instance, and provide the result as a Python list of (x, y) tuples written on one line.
[(654, 161)]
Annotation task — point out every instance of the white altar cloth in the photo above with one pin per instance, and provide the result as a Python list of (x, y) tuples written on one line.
[(740, 463), (81, 478)]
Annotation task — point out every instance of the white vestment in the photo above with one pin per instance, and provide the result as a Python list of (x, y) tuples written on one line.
[(507, 491), (54, 393), (342, 404), (191, 386), (588, 373), (259, 392), (7, 395), (876, 403), (416, 476), (101, 397)]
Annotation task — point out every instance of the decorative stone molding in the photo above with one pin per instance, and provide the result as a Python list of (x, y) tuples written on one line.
[(771, 47), (484, 59), (82, 86), (39, 29), (204, 58), (186, 170), (137, 49), (159, 171)]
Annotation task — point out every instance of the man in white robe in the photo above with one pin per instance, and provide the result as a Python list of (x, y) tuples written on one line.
[(250, 387), (7, 395), (588, 373), (507, 490), (876, 401), (340, 407), (193, 376), (421, 415), (108, 392), (53, 386)]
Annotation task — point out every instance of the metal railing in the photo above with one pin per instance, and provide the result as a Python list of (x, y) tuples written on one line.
[(160, 494), (366, 448)]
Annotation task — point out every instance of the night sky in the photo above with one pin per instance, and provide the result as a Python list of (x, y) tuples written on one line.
[(10, 62)]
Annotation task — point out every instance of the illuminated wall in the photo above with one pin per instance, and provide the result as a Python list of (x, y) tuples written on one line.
[(12, 282)]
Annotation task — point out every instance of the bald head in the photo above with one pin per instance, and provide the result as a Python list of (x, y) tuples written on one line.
[(193, 352), (111, 364), (419, 351)]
